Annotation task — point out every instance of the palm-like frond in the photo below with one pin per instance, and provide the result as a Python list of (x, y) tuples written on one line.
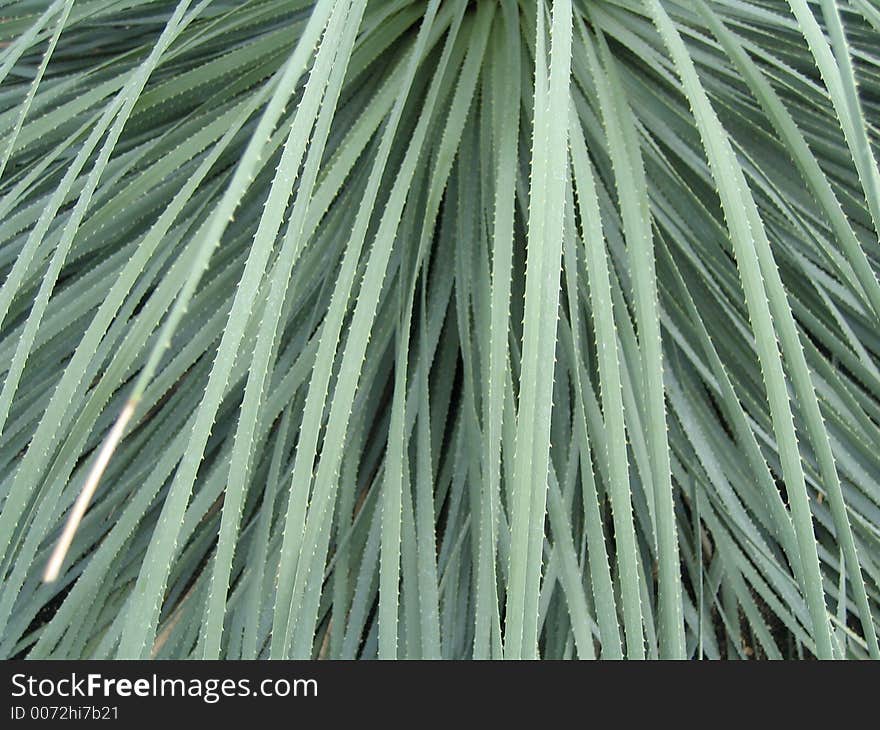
[(439, 329)]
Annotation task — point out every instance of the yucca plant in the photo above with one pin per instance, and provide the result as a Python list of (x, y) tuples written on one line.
[(407, 329)]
